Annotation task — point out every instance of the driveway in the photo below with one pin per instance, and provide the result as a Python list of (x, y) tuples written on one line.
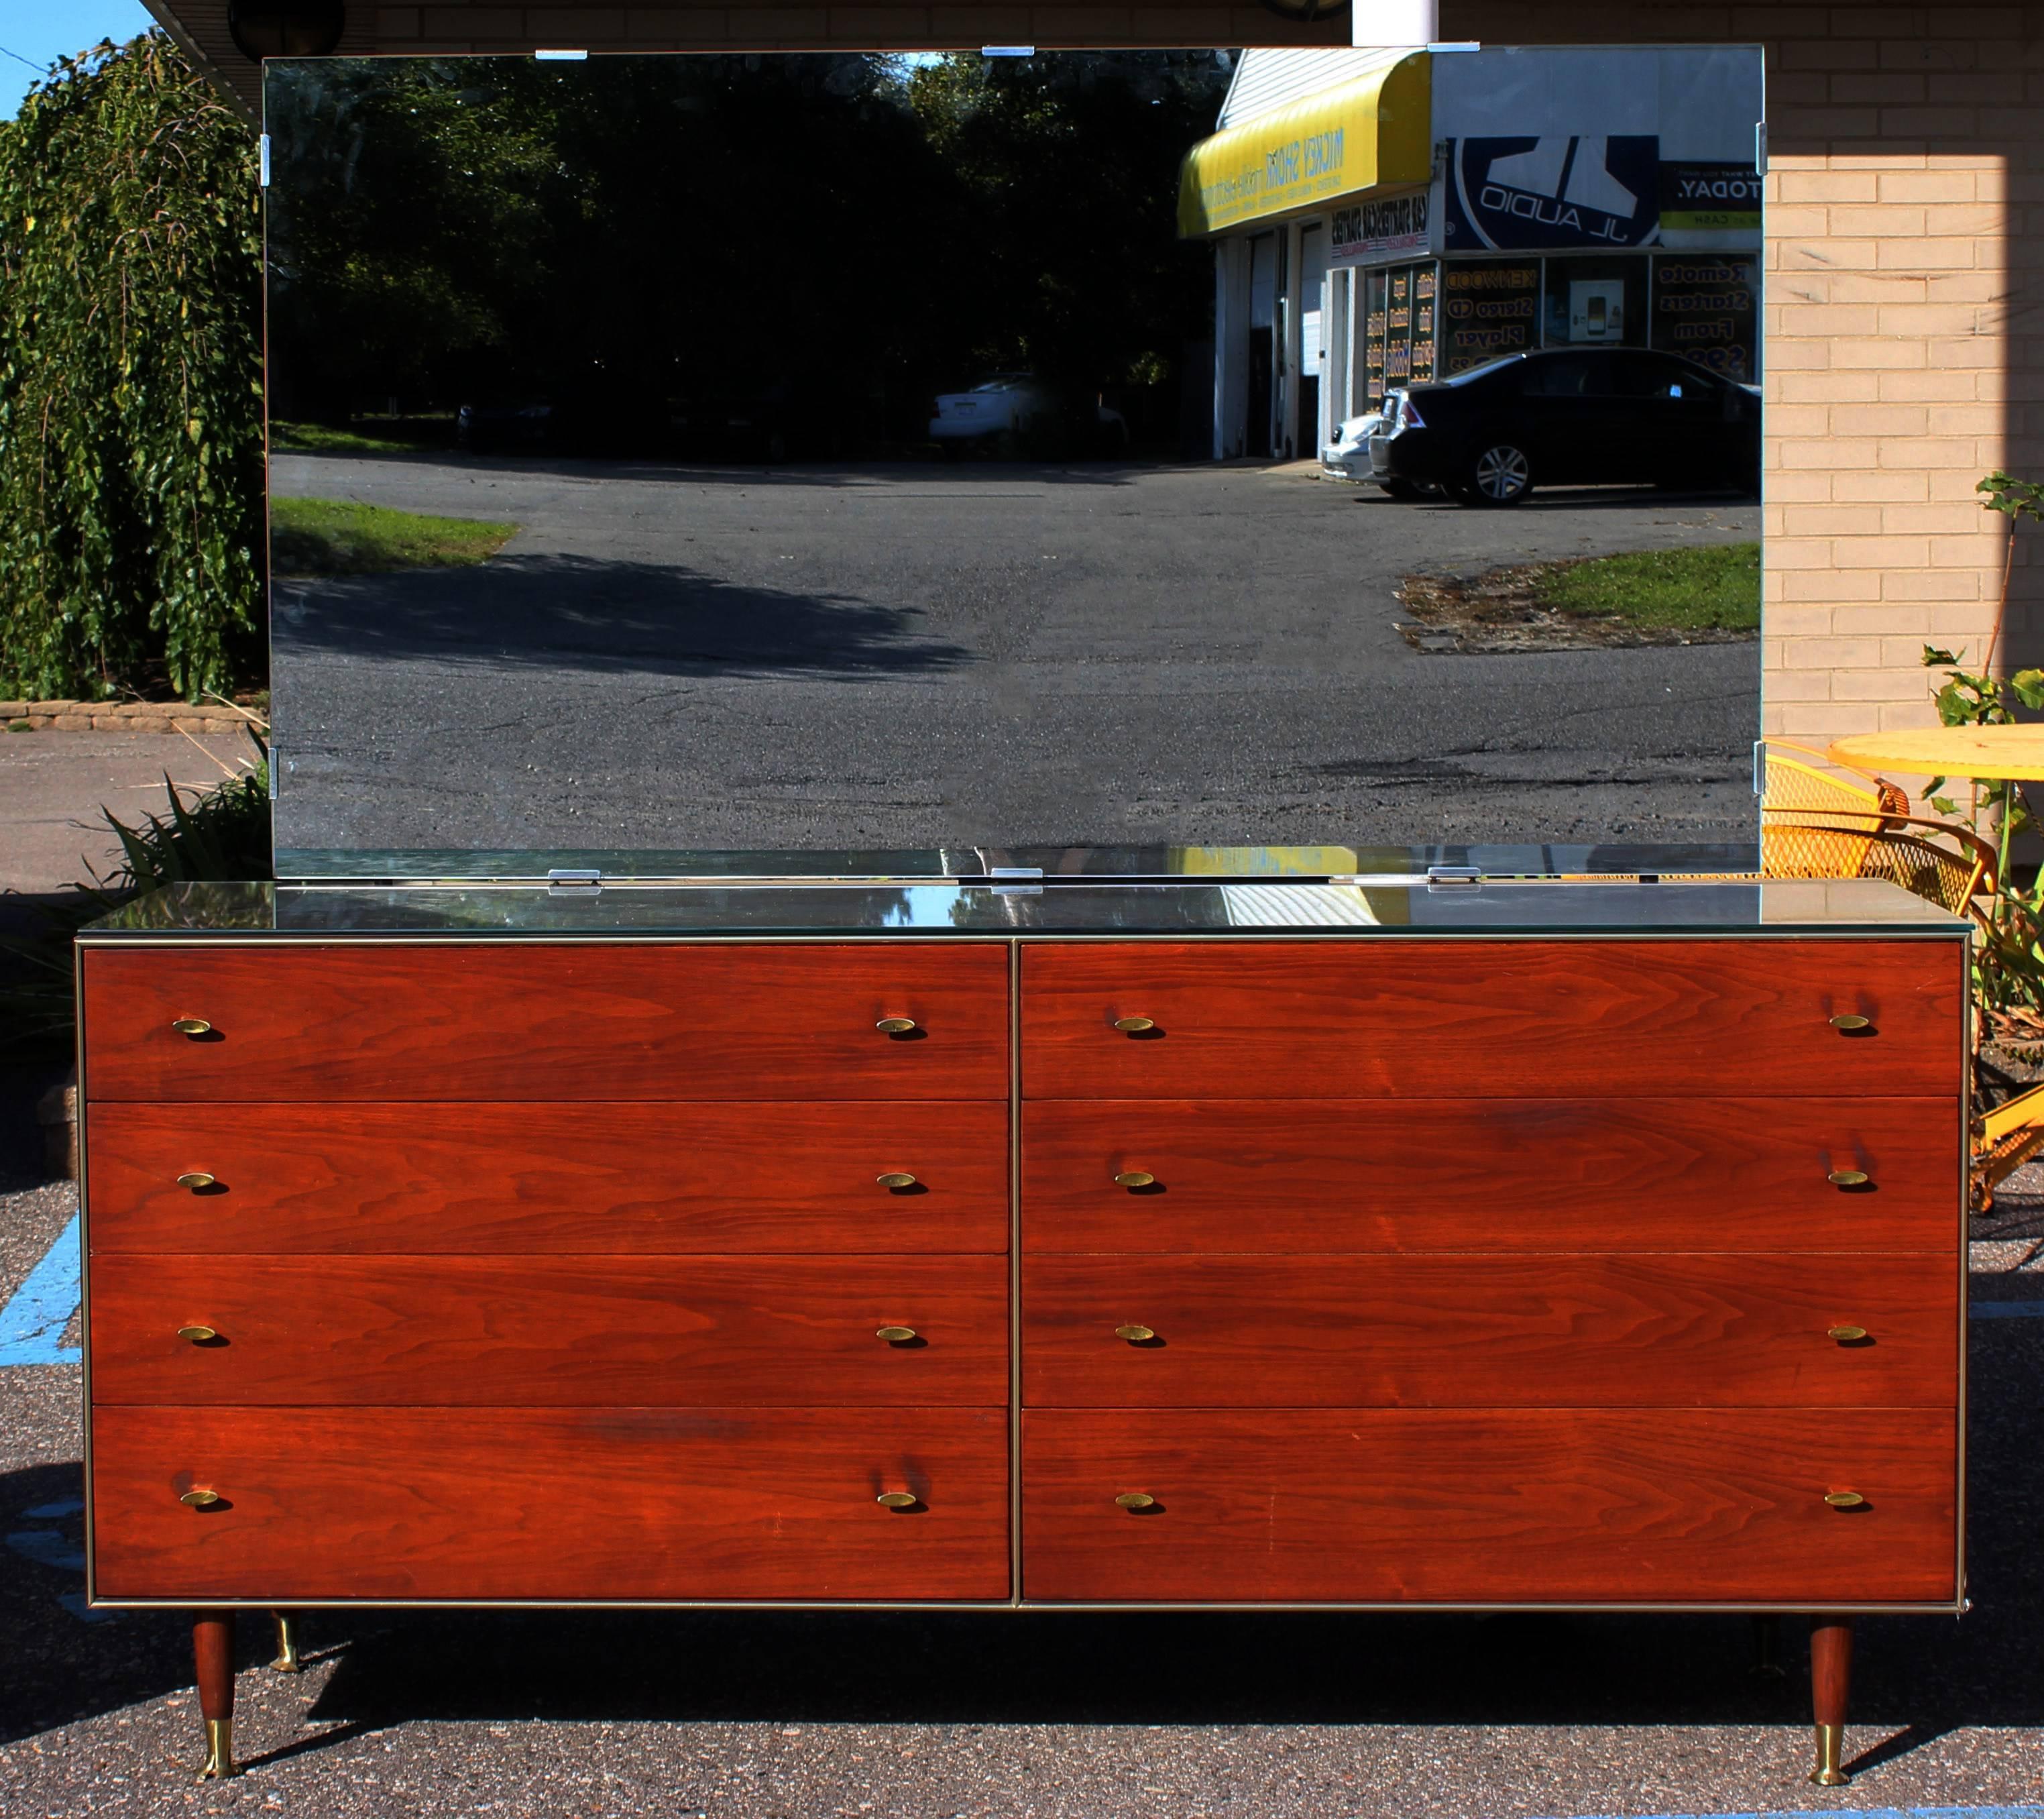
[(989, 654)]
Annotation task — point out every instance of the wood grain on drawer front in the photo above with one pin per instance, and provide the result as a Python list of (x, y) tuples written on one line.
[(1475, 1331), (532, 1179), (1415, 1018), (550, 1331), (586, 1506), (1586, 1506), (572, 1022), (1511, 1174)]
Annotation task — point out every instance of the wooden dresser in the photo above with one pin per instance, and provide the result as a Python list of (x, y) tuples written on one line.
[(1595, 1245)]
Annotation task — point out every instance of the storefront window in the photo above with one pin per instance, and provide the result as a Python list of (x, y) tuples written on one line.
[(1424, 315), (1398, 330), (1488, 307), (1593, 302), (1376, 320), (1705, 305)]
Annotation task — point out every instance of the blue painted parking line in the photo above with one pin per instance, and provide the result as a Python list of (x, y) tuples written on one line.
[(1869, 1813), (31, 1325), (2007, 1310)]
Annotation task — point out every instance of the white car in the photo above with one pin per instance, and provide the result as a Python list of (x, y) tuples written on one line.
[(1003, 406), (1347, 456)]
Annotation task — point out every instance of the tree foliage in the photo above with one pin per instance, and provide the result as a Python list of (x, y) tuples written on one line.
[(632, 240), (130, 382)]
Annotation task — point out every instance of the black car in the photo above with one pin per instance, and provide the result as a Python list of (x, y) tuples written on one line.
[(1568, 416)]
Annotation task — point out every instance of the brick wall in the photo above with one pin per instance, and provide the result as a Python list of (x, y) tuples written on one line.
[(1903, 291)]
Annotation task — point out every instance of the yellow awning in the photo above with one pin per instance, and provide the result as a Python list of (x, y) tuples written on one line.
[(1377, 130)]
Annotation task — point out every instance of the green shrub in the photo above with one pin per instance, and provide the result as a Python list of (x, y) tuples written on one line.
[(221, 834), (131, 477)]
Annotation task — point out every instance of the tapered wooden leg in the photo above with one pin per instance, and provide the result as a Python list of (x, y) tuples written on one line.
[(1830, 1686), (287, 1661), (212, 1648), (1767, 1648)]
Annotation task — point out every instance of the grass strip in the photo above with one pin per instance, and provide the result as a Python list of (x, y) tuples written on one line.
[(320, 439), (1714, 588), (334, 536)]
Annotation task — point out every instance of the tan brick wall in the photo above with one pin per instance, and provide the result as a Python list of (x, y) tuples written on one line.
[(1906, 194)]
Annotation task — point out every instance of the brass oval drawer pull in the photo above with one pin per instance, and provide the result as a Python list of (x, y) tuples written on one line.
[(199, 1499), (1135, 1178), (197, 1179), (897, 1500), (1135, 1026), (1846, 1335), (1844, 1499), (1851, 1023), (895, 1025), (1136, 1500), (895, 1178), (895, 1335), (191, 1026), (198, 1335), (1848, 1178), (1135, 1335)]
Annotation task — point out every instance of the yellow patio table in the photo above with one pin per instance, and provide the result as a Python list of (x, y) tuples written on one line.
[(2015, 752)]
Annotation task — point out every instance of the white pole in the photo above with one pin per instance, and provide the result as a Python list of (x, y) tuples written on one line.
[(1395, 24)]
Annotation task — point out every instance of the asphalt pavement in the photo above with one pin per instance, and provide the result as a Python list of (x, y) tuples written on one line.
[(988, 654), (1071, 1715)]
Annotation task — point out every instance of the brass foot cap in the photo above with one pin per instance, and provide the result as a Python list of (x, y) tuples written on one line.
[(219, 1764), (287, 1661), (1830, 1751)]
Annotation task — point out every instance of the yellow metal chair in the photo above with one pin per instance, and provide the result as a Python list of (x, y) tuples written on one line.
[(1816, 824)]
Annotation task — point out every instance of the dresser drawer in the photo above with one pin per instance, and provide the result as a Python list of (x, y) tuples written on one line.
[(639, 1177), (556, 1332), (584, 1505), (1510, 1174), (591, 1022), (1490, 1507), (1475, 1331), (1389, 1017)]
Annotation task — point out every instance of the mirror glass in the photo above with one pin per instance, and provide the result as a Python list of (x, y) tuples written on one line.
[(852, 454)]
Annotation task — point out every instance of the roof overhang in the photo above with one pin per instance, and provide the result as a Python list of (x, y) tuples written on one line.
[(1374, 132)]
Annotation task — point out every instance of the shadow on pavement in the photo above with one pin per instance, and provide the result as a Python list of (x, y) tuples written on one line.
[(1571, 499), (974, 470), (556, 612)]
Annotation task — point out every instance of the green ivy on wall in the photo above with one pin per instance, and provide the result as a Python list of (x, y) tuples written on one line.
[(130, 475)]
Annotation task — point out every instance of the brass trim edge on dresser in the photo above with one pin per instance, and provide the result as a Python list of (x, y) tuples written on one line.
[(1774, 1608), (1015, 1273), (1958, 1605)]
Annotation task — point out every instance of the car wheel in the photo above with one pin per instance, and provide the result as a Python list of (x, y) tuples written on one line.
[(1501, 475), (1400, 489)]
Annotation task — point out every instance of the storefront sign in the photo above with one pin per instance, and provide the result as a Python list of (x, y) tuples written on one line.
[(1487, 310), (1394, 227), (1361, 135), (1574, 191), (1710, 199)]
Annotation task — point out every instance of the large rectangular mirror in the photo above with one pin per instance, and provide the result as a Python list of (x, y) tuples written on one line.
[(842, 454)]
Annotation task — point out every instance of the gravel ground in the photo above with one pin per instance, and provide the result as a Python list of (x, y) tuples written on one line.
[(1039, 1713)]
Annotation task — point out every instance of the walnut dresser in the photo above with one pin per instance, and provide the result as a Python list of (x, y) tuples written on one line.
[(1394, 1245)]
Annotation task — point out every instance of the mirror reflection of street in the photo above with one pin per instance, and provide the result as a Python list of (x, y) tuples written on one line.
[(912, 654)]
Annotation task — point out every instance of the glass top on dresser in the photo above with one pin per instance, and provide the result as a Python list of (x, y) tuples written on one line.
[(1276, 905)]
